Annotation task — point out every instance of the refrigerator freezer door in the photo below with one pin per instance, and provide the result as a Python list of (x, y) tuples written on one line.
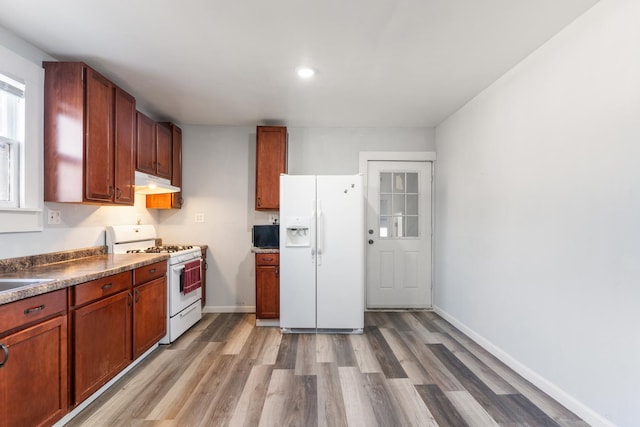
[(297, 263), (340, 271)]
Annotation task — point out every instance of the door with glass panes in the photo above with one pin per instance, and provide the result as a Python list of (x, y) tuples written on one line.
[(399, 234)]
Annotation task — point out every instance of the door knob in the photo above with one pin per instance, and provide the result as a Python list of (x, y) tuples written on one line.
[(371, 241)]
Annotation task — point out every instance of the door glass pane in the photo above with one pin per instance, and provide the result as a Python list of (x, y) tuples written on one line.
[(398, 183), (385, 182), (399, 207), (412, 182), (384, 226), (385, 204), (399, 204), (412, 204), (411, 226)]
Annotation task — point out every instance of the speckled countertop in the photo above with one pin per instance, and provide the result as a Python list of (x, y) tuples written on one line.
[(72, 272), (264, 250)]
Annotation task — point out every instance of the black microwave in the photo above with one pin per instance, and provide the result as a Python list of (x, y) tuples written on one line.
[(266, 236)]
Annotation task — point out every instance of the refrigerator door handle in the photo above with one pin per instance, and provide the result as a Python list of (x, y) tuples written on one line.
[(320, 244)]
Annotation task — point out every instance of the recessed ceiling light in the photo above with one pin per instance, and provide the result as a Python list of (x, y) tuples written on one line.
[(306, 72)]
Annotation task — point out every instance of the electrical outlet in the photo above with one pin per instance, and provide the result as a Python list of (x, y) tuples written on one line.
[(273, 218), (54, 216), (200, 217)]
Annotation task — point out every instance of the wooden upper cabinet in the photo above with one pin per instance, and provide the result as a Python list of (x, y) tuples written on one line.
[(146, 153), (171, 200), (88, 137), (153, 147), (271, 161), (99, 146), (125, 143), (163, 147)]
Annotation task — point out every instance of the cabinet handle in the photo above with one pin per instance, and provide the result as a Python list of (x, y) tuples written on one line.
[(34, 309), (107, 286), (137, 292), (277, 272), (259, 201), (5, 350), (118, 193), (152, 270), (129, 299), (111, 191), (268, 259)]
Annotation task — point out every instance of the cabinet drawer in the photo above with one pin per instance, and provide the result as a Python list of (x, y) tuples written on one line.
[(99, 288), (149, 272), (267, 259), (21, 313)]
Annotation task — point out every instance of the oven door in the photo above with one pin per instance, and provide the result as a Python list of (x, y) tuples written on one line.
[(178, 301)]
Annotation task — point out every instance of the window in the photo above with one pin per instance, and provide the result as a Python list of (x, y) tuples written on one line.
[(21, 141), (11, 139), (399, 202)]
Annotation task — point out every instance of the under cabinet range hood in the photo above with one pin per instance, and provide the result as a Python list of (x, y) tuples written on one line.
[(150, 184)]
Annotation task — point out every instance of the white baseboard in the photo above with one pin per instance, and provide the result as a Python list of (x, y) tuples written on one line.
[(571, 403), (229, 309)]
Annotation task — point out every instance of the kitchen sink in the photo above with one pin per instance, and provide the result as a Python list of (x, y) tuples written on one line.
[(9, 284)]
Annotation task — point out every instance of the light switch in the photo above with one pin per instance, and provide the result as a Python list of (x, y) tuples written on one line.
[(200, 217)]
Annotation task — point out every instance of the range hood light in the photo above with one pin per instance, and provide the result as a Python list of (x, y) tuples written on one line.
[(149, 184)]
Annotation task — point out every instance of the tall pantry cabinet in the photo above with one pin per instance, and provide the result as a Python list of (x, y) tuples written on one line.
[(89, 137)]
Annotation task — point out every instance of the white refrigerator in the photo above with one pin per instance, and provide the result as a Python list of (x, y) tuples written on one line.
[(321, 253)]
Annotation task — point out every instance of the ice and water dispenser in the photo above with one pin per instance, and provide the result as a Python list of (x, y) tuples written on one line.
[(298, 232)]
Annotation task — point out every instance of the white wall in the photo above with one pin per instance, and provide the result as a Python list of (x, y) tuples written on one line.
[(219, 181), (538, 215), (81, 227)]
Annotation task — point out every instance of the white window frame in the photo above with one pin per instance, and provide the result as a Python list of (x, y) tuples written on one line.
[(15, 141), (26, 215)]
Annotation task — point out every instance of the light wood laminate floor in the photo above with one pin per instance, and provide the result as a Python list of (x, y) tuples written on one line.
[(407, 369)]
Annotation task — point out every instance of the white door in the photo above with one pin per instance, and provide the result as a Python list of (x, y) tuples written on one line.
[(398, 234)]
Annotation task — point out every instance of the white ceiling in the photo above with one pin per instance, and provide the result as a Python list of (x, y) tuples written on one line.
[(232, 62)]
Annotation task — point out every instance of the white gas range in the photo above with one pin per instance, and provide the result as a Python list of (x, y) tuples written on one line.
[(184, 309)]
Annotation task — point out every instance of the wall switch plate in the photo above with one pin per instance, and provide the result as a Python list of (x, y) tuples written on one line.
[(54, 217), (200, 217)]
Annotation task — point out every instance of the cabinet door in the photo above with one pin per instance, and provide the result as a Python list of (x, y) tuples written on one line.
[(101, 343), (99, 155), (33, 380), (145, 144), (125, 140), (149, 315), (163, 147), (271, 161), (267, 292), (176, 170)]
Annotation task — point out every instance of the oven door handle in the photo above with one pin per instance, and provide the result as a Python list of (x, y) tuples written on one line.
[(180, 270)]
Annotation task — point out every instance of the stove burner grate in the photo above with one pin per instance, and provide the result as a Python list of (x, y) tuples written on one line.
[(160, 249)]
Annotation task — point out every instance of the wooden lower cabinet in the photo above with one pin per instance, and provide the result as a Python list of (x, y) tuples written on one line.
[(149, 314), (101, 343), (267, 286), (33, 377)]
